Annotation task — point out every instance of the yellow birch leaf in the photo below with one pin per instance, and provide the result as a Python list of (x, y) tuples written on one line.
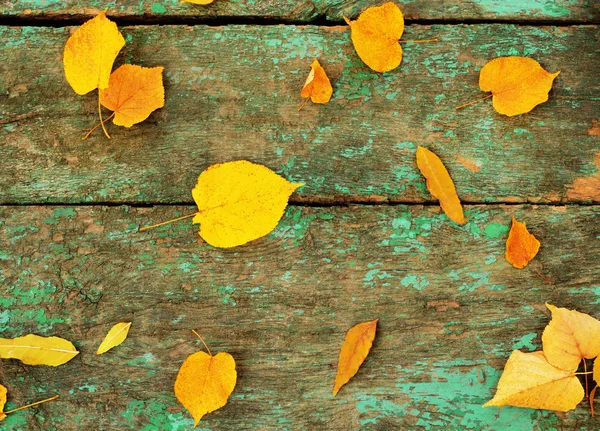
[(570, 337), (35, 350), (354, 351), (530, 381), (116, 335), (133, 93), (518, 84), (521, 246), (239, 202), (375, 35), (596, 374), (205, 382), (90, 53), (198, 1), (3, 392), (439, 184), (317, 85)]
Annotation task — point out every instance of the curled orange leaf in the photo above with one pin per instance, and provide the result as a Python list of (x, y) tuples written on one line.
[(317, 85), (521, 246)]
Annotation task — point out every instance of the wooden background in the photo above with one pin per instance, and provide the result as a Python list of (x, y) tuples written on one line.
[(362, 240)]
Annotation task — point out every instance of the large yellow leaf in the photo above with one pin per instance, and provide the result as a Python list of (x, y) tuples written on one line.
[(90, 53), (35, 350), (530, 381), (354, 351), (596, 374), (3, 392), (439, 184), (317, 85), (239, 202), (521, 246), (570, 337), (517, 84), (375, 35), (204, 382), (198, 1), (133, 93), (116, 335)]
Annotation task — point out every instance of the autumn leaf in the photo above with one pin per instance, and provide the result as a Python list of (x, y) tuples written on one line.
[(596, 374), (518, 84), (355, 349), (570, 337), (529, 380), (521, 246), (239, 202), (317, 85), (439, 184), (35, 350), (198, 1), (133, 93), (3, 392), (90, 53), (375, 35), (116, 335), (205, 382)]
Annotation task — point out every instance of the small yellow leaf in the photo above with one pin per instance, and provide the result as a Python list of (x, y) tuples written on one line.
[(317, 85), (116, 335), (530, 381), (198, 1), (570, 337), (521, 246), (133, 93), (354, 351), (90, 53), (375, 35), (239, 202), (205, 382), (518, 84), (3, 392), (439, 184), (35, 350)]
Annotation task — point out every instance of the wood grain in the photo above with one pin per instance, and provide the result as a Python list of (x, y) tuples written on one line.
[(451, 310), (233, 93)]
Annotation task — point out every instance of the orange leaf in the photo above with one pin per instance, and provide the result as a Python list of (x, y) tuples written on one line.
[(518, 84), (317, 85), (529, 380), (570, 337), (521, 246), (133, 93), (375, 35), (355, 349), (3, 392), (440, 184)]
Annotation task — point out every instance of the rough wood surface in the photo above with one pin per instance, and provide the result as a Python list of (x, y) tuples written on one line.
[(451, 310), (310, 10), (233, 92)]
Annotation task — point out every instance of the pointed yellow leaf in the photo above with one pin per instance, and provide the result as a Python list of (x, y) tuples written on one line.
[(204, 382), (518, 84), (440, 185), (530, 381), (35, 350), (133, 93), (521, 246), (90, 53), (317, 85), (570, 337), (116, 335), (354, 351), (239, 202)]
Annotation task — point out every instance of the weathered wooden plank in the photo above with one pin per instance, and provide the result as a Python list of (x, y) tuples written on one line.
[(307, 10), (451, 309), (233, 92)]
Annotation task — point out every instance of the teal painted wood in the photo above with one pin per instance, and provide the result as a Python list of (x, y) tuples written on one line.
[(451, 310), (233, 93), (310, 10)]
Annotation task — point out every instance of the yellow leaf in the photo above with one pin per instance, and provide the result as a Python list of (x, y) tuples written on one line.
[(530, 381), (239, 202), (133, 93), (596, 374), (198, 1), (3, 392), (317, 85), (375, 35), (90, 53), (116, 335), (570, 337), (521, 246), (35, 350), (204, 382), (354, 351), (518, 84), (440, 184)]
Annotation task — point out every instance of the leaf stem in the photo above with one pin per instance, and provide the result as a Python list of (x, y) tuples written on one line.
[(32, 404), (435, 39), (100, 115), (474, 101), (539, 273), (303, 103), (168, 221), (586, 380), (203, 342), (583, 374), (592, 395), (96, 126)]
